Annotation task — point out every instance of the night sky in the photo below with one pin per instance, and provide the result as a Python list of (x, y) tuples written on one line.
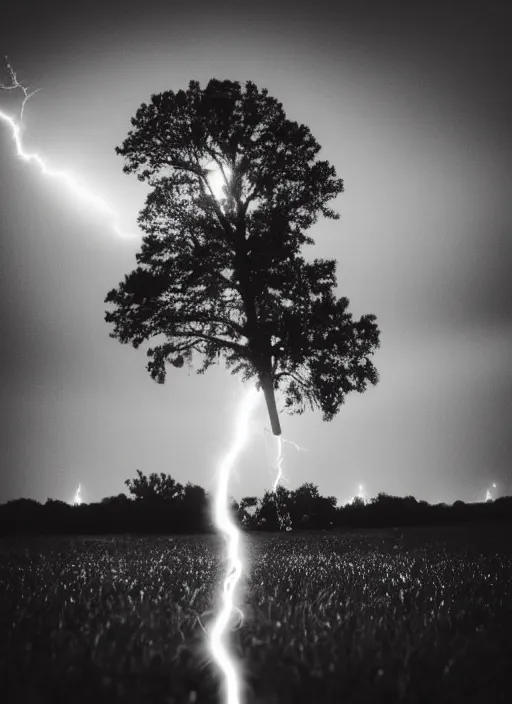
[(410, 102)]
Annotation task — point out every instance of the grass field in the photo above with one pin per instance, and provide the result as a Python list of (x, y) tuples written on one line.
[(362, 616)]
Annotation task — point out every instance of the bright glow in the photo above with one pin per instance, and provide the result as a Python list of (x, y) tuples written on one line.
[(217, 180), (285, 522), (281, 442), (227, 527), (279, 463), (361, 494), (489, 493), (16, 85), (73, 185), (78, 499)]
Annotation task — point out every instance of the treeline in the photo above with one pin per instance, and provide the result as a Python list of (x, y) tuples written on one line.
[(305, 509), (159, 504)]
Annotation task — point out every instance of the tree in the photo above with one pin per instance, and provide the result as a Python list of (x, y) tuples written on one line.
[(221, 274), (193, 508), (267, 513), (303, 504), (119, 500), (247, 512), (156, 487)]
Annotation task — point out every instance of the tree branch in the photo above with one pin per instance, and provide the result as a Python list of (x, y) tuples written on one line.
[(224, 222), (239, 349)]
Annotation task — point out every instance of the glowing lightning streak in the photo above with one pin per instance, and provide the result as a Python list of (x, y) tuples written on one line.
[(221, 506), (284, 520), (231, 533), (82, 192), (488, 493), (78, 499), (280, 459), (279, 463)]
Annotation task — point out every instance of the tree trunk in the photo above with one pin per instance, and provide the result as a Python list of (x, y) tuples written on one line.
[(270, 399)]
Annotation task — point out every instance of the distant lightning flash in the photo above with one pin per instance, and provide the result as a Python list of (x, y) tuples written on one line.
[(78, 499), (488, 493), (360, 495), (73, 185), (227, 527)]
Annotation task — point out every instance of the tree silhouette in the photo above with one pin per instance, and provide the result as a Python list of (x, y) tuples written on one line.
[(155, 487), (310, 510), (222, 274), (118, 500), (247, 512), (192, 508)]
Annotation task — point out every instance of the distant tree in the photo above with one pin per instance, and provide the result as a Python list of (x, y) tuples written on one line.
[(27, 504), (193, 495), (56, 504), (381, 498), (222, 274), (194, 507), (326, 512), (303, 505), (155, 487), (247, 510), (267, 513), (189, 512), (249, 503), (119, 500), (21, 516)]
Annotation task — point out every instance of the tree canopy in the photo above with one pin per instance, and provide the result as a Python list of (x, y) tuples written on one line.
[(222, 274)]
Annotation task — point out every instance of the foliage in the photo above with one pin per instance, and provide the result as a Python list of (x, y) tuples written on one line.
[(119, 500), (160, 504), (156, 487), (223, 276)]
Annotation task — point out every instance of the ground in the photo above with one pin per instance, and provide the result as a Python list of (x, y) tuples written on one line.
[(413, 615)]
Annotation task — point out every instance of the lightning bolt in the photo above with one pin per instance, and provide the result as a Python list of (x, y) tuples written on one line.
[(222, 516), (74, 186), (488, 493), (78, 499), (284, 519), (281, 442), (227, 527), (279, 463), (16, 85)]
